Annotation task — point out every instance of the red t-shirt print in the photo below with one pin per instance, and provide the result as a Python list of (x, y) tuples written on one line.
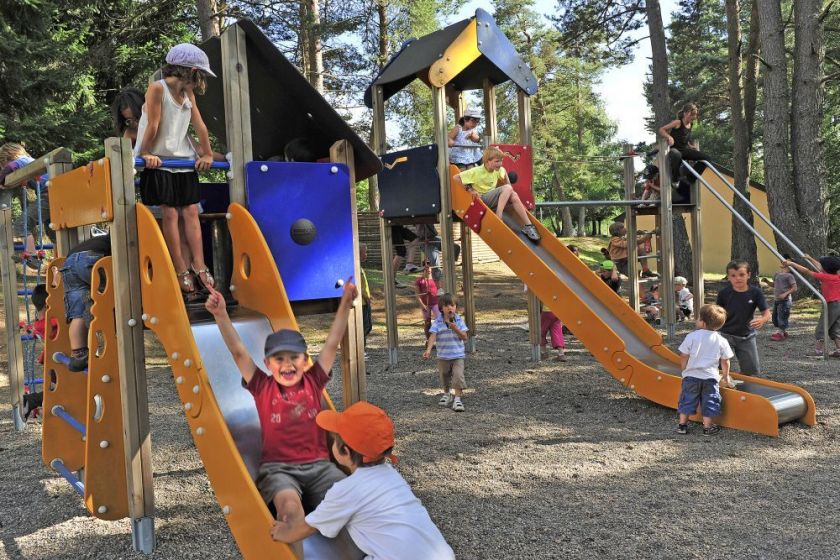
[(287, 417)]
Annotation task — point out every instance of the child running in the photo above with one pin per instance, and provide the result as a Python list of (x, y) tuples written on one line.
[(427, 296), (449, 332), (740, 300), (295, 469), (828, 273), (382, 515), (491, 182), (163, 133), (701, 353)]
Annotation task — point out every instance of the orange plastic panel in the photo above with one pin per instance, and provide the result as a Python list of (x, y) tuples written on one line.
[(58, 439), (106, 489), (744, 411), (83, 196), (164, 313), (461, 53)]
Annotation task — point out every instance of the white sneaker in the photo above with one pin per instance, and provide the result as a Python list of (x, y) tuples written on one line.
[(445, 399), (458, 406)]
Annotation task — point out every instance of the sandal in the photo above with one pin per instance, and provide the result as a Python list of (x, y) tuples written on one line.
[(186, 282), (208, 281)]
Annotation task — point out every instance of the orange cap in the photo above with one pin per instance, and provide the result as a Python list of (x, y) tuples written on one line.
[(364, 427)]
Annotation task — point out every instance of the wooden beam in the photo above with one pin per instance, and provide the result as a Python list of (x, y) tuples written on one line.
[(388, 277), (629, 175), (524, 113), (353, 339), (237, 110), (11, 306), (698, 282), (441, 139), (39, 166), (666, 244), (131, 353)]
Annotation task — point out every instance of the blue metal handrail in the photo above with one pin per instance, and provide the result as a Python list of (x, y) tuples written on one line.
[(181, 164)]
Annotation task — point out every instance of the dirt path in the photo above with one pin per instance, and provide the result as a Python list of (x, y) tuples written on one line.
[(550, 460)]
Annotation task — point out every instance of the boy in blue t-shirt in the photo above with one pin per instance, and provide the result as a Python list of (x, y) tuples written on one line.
[(449, 332), (740, 300), (701, 353)]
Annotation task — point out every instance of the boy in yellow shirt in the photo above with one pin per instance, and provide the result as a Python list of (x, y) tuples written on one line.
[(491, 182)]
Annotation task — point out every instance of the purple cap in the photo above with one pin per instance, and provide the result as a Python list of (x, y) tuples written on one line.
[(190, 56)]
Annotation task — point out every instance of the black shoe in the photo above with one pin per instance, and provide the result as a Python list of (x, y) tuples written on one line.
[(531, 233), (78, 363), (711, 430), (682, 429)]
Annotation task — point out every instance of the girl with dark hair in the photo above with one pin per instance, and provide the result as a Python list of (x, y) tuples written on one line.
[(678, 135), (126, 111)]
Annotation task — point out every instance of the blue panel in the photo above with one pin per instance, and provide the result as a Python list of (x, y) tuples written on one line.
[(287, 192)]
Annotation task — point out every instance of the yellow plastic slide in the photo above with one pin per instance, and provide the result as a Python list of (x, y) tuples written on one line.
[(627, 346), (220, 412)]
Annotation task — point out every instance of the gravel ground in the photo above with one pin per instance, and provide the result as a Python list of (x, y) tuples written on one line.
[(550, 460)]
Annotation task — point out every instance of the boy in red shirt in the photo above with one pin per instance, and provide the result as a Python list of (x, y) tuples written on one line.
[(829, 276), (295, 469)]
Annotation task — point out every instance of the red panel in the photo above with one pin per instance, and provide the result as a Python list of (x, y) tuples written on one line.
[(475, 213), (520, 159)]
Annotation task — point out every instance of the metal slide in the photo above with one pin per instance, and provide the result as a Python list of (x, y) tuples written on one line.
[(627, 346), (220, 412)]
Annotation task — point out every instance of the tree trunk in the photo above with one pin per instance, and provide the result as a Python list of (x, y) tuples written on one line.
[(751, 74), (683, 261), (208, 21), (581, 231), (659, 90), (781, 193), (566, 213), (743, 241), (806, 124), (312, 63)]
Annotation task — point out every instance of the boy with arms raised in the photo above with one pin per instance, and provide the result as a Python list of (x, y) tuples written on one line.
[(295, 468), (382, 515), (701, 353), (740, 300)]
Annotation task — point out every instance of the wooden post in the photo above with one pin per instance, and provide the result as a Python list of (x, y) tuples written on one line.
[(666, 246), (441, 139), (237, 110), (353, 340), (131, 353), (456, 99), (524, 110), (697, 250), (630, 219), (11, 305), (388, 277)]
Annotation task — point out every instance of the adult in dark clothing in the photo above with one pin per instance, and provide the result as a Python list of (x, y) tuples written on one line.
[(678, 135)]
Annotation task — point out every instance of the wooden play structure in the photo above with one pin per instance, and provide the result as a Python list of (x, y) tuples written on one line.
[(96, 423), (474, 54)]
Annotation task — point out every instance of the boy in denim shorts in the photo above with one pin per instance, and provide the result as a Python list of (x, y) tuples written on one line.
[(75, 275), (295, 469), (701, 353)]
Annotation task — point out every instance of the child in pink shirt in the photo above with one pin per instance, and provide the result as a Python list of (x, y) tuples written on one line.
[(828, 273), (427, 296)]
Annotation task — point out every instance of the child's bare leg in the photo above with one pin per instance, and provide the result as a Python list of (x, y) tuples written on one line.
[(427, 324), (504, 196), (684, 419), (519, 209), (707, 422), (186, 254), (173, 237), (289, 512), (192, 229), (78, 333)]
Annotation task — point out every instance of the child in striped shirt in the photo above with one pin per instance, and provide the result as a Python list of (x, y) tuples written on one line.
[(449, 332)]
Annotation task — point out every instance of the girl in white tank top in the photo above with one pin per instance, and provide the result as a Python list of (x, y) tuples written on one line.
[(163, 133)]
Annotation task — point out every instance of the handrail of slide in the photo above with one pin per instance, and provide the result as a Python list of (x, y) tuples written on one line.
[(606, 325), (761, 238), (164, 312)]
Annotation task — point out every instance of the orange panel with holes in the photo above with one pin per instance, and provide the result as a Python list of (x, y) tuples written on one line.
[(82, 197)]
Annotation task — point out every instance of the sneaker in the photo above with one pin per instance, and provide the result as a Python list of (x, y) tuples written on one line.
[(411, 267), (649, 274), (398, 284), (682, 429), (711, 430), (777, 336), (531, 232), (561, 356), (445, 399), (458, 406), (78, 363)]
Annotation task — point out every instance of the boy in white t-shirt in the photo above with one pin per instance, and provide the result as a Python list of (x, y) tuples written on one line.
[(685, 301), (383, 516), (701, 353)]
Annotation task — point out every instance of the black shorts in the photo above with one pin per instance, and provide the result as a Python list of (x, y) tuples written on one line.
[(163, 188), (400, 235)]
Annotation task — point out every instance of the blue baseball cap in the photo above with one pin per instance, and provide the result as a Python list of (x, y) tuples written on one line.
[(285, 340)]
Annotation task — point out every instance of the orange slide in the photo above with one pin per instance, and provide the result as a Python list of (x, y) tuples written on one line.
[(627, 346)]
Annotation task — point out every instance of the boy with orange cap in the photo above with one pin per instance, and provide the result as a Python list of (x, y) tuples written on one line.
[(383, 516)]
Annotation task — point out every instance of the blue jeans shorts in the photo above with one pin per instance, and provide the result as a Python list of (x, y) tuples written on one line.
[(704, 392), (75, 274)]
